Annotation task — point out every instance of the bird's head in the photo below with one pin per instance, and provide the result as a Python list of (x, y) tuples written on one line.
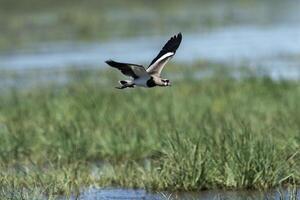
[(166, 82)]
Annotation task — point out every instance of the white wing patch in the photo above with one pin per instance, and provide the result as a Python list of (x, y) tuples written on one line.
[(160, 63)]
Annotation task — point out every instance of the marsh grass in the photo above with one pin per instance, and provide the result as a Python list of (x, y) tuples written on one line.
[(211, 133)]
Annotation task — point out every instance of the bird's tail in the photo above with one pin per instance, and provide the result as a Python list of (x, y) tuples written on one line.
[(125, 84)]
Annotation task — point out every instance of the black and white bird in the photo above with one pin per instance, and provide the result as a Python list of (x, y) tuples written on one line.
[(149, 77)]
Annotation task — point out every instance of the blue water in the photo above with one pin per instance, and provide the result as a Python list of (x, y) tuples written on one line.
[(249, 45), (273, 51), (132, 194)]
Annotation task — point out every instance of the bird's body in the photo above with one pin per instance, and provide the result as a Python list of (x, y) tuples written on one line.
[(149, 77), (142, 81)]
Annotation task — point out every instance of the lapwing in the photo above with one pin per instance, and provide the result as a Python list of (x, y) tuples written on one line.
[(151, 76)]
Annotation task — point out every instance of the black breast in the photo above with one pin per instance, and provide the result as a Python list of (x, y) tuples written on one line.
[(151, 83)]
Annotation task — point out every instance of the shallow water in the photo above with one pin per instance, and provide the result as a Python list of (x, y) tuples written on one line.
[(272, 51), (251, 46), (117, 193)]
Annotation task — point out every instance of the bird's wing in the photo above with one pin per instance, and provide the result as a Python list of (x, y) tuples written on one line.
[(167, 52), (132, 70)]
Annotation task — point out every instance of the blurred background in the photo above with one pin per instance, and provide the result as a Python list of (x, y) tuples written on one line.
[(64, 127), (49, 35)]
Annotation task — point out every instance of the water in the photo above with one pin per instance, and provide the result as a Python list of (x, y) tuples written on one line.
[(117, 193), (251, 46), (274, 51)]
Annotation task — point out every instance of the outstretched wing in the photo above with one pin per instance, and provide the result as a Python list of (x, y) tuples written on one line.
[(132, 70), (167, 52)]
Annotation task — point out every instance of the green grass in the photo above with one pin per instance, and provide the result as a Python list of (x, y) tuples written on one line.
[(198, 134)]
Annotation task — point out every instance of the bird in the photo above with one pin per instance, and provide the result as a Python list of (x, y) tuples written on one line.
[(150, 77)]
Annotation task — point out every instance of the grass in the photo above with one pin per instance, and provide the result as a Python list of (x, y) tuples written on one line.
[(211, 133)]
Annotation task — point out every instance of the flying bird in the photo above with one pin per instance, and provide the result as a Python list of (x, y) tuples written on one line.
[(151, 76)]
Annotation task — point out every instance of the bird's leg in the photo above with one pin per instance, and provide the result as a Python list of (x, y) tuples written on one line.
[(125, 86)]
